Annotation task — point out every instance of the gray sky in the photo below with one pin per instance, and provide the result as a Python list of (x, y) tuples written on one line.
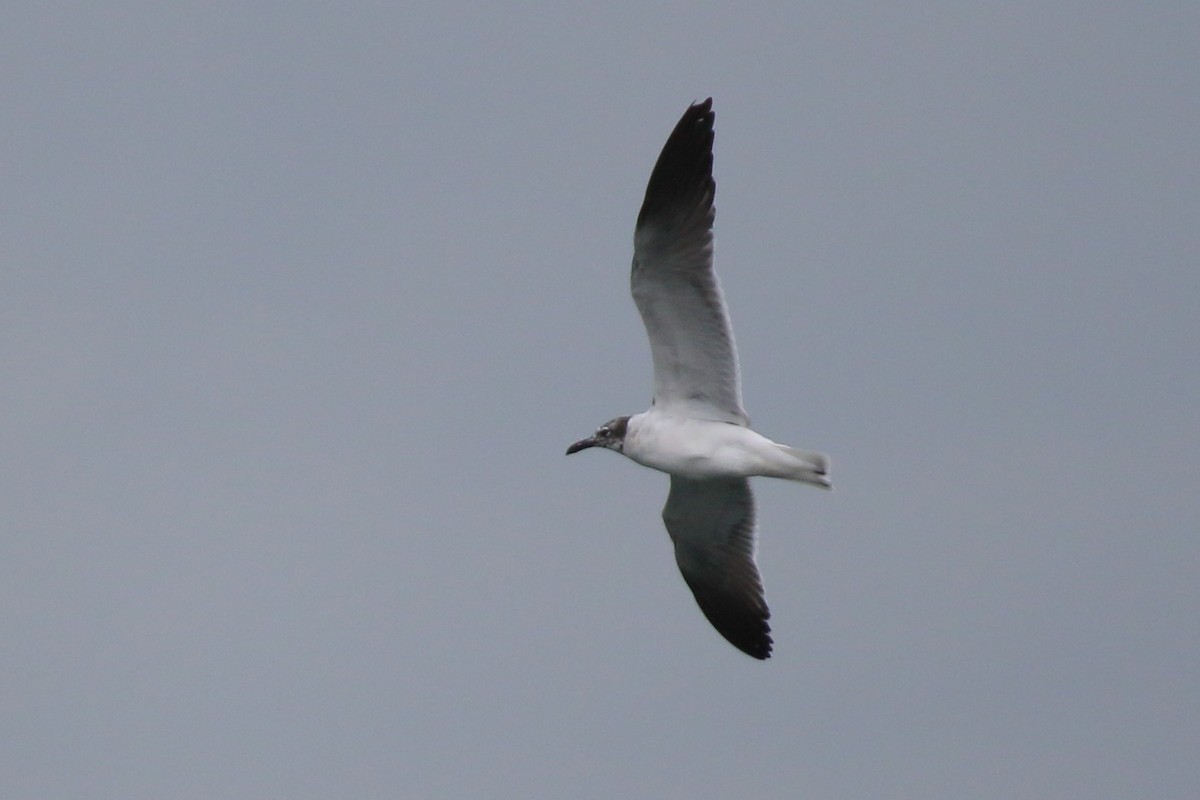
[(302, 304)]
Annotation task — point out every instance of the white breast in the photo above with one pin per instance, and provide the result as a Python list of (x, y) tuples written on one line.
[(697, 448)]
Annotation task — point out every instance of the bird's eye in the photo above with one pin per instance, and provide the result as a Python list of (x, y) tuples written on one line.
[(604, 431)]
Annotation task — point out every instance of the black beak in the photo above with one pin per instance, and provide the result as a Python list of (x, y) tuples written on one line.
[(582, 444)]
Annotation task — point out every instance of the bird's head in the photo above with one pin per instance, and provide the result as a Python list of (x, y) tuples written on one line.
[(610, 435)]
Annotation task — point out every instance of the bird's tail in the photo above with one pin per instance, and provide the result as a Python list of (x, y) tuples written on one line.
[(810, 467)]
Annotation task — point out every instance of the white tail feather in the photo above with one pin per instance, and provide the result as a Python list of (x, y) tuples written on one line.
[(810, 468)]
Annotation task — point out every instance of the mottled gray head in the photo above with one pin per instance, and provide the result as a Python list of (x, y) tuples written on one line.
[(610, 435)]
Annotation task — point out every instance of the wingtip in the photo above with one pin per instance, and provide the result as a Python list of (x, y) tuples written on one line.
[(758, 647), (745, 628), (761, 653), (700, 112), (681, 183)]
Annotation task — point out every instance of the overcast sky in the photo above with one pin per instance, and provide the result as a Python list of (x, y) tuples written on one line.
[(300, 305)]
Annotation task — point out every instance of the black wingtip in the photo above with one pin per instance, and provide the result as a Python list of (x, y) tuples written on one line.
[(755, 643), (746, 628), (682, 176)]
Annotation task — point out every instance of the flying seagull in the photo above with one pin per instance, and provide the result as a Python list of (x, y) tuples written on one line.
[(696, 430)]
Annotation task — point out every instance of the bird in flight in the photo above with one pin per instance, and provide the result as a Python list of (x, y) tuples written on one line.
[(696, 430)]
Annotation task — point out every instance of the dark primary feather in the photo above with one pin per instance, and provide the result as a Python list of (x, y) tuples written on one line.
[(681, 187)]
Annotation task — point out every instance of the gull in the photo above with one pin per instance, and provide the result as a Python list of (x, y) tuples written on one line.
[(696, 430)]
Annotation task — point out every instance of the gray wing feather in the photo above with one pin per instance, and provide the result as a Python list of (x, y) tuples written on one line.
[(673, 282), (711, 523)]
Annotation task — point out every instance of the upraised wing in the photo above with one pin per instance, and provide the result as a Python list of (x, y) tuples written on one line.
[(676, 290)]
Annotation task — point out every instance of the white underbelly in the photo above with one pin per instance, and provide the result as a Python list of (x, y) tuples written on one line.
[(699, 448)]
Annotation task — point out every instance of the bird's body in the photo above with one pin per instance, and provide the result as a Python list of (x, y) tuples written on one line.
[(701, 448), (696, 429)]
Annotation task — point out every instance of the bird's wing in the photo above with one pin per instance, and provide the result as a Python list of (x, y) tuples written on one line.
[(711, 523), (673, 283)]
